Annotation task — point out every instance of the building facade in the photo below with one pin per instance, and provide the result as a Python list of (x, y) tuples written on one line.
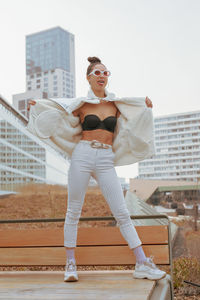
[(50, 65), (23, 157), (177, 143), (20, 101)]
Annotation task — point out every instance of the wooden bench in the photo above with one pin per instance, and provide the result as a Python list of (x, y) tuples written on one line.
[(99, 246)]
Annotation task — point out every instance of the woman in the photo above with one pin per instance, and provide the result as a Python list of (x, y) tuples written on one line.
[(93, 156)]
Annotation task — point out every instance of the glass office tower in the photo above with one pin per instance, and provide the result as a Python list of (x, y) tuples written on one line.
[(50, 62), (50, 67), (49, 49)]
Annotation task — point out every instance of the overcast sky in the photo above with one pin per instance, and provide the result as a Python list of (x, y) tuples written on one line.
[(152, 47)]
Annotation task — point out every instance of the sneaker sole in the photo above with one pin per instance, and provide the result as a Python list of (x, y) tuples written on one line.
[(71, 278), (143, 276)]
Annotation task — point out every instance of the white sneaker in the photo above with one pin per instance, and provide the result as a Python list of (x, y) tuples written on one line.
[(148, 270), (70, 271)]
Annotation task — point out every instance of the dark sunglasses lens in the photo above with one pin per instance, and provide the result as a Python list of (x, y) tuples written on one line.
[(106, 73), (97, 72)]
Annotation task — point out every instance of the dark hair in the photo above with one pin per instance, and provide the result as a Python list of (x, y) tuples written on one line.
[(93, 61)]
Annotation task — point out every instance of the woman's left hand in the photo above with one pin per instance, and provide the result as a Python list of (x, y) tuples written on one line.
[(148, 102)]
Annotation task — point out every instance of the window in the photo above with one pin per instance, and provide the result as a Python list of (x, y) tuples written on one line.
[(21, 104), (38, 81), (29, 88), (45, 94), (38, 86), (55, 94), (46, 84), (32, 76), (55, 88), (38, 75)]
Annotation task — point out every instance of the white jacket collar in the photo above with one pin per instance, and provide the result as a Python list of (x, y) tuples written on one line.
[(109, 96)]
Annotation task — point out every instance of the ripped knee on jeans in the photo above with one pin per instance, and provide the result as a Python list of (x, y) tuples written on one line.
[(72, 216), (123, 217)]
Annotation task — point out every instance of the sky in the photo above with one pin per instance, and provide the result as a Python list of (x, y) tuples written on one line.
[(151, 47)]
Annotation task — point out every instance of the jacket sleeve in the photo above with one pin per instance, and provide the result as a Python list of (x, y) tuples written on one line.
[(134, 136), (53, 125)]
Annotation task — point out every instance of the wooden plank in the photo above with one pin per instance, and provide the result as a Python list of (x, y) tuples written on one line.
[(99, 255), (98, 285), (86, 236), (109, 255)]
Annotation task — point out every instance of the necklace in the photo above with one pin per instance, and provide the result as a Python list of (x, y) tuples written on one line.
[(102, 100)]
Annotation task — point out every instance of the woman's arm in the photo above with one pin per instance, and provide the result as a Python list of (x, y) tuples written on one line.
[(118, 113), (30, 102), (148, 102), (76, 112)]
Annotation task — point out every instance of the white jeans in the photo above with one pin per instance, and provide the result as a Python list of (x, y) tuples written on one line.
[(98, 162)]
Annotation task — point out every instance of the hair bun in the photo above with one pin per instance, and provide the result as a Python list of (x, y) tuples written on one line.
[(94, 59)]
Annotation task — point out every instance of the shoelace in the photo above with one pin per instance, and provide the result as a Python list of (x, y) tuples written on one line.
[(70, 266), (151, 263)]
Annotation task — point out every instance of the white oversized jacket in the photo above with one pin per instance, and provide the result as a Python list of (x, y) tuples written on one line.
[(53, 122)]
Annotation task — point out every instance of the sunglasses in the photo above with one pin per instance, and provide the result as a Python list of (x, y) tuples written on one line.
[(97, 72)]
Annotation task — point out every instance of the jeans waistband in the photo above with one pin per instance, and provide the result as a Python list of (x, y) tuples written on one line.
[(96, 144)]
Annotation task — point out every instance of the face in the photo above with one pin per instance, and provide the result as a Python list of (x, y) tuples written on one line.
[(98, 83)]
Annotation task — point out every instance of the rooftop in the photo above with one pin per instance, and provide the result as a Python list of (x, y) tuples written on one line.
[(144, 188)]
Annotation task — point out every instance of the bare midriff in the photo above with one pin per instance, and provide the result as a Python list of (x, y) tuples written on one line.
[(102, 110), (101, 135)]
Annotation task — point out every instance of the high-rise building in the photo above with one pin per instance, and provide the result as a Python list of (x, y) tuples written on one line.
[(177, 143), (50, 65), (23, 157)]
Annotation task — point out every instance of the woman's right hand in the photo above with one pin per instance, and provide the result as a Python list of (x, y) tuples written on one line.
[(31, 102)]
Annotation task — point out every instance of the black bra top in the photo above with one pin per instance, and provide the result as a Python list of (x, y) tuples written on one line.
[(92, 122)]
